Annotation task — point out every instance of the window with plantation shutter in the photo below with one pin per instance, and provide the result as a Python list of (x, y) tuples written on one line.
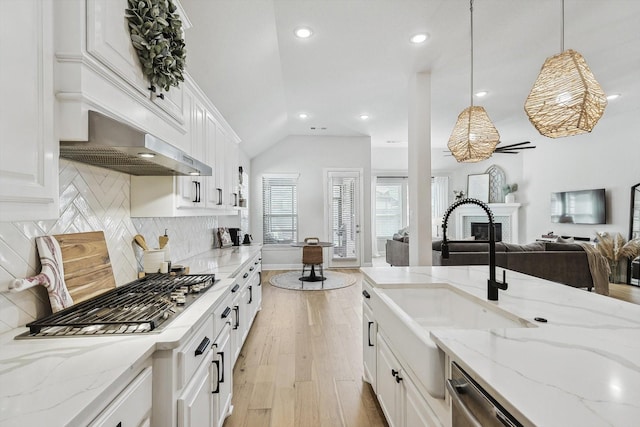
[(280, 209), (343, 187)]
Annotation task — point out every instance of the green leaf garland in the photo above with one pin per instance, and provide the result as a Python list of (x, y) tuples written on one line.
[(156, 34)]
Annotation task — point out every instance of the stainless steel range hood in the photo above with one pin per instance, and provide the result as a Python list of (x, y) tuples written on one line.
[(118, 146)]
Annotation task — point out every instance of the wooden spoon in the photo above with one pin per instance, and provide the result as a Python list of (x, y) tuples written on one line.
[(163, 240), (139, 239)]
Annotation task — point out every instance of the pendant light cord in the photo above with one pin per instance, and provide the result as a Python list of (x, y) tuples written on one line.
[(562, 30), (471, 10)]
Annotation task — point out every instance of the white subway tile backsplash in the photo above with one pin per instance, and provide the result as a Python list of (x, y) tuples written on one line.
[(91, 199)]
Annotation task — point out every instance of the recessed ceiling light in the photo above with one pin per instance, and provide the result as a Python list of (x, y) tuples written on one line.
[(613, 96), (303, 32), (364, 116), (303, 116), (146, 155), (419, 38), (482, 93)]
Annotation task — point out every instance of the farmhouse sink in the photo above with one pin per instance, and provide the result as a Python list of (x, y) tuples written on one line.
[(407, 315)]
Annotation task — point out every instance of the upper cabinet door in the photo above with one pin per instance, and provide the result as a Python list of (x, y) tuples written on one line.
[(109, 41), (28, 148)]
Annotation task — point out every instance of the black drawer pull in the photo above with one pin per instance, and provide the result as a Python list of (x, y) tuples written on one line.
[(203, 346), (259, 278), (250, 294), (225, 313), (217, 390), (119, 424), (245, 275), (369, 334), (250, 268), (366, 294), (235, 288)]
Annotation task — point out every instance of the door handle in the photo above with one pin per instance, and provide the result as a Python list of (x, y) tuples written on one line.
[(250, 294), (235, 289), (366, 294), (369, 334)]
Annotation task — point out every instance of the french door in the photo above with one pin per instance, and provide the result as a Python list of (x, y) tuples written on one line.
[(343, 196)]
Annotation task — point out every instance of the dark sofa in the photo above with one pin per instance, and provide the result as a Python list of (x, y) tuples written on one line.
[(564, 263)]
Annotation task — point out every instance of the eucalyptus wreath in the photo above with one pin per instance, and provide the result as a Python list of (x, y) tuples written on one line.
[(156, 34)]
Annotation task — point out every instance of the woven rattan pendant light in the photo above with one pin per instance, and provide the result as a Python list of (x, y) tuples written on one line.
[(474, 137), (566, 99)]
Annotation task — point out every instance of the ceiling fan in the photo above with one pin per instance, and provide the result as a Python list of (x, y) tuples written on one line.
[(508, 149)]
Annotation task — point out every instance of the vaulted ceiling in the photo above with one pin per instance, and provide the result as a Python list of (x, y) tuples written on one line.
[(244, 55)]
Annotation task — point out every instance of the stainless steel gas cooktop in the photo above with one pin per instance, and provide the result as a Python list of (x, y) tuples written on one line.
[(142, 306)]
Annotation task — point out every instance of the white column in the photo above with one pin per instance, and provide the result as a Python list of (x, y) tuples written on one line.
[(420, 169)]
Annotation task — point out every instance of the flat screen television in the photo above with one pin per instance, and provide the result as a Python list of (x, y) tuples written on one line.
[(579, 207)]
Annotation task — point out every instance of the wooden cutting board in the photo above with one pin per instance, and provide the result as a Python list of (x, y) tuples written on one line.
[(87, 267)]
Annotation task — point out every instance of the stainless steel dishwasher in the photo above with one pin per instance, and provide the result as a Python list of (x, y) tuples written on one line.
[(472, 406)]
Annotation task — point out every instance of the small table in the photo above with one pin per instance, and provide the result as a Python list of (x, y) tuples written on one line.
[(312, 277)]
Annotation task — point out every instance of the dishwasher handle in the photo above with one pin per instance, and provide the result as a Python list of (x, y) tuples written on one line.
[(461, 386), (458, 403)]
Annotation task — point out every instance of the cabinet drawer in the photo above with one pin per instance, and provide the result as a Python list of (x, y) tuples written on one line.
[(132, 407), (193, 352), (223, 314)]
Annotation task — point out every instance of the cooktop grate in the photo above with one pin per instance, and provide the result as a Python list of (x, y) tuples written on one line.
[(139, 306)]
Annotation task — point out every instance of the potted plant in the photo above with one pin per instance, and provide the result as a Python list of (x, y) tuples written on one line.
[(509, 190), (614, 249)]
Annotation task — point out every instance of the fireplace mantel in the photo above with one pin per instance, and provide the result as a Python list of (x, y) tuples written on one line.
[(503, 213)]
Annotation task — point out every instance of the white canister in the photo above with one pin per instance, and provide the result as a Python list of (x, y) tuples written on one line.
[(152, 260), (510, 198)]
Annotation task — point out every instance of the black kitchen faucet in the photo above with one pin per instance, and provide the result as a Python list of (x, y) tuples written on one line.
[(492, 284)]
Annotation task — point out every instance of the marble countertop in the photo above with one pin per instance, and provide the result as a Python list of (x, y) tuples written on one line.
[(582, 367), (64, 381)]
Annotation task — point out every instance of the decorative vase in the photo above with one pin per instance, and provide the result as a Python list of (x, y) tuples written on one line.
[(510, 198)]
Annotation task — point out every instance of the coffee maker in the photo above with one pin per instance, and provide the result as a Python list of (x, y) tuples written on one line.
[(236, 235)]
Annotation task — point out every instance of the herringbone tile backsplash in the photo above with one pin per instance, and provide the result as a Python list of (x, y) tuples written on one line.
[(91, 199)]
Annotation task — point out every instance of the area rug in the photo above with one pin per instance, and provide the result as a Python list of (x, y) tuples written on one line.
[(291, 280)]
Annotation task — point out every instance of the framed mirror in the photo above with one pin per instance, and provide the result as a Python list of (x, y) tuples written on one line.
[(634, 230), (478, 187)]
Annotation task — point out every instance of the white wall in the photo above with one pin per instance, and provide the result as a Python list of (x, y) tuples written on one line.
[(607, 158), (308, 156)]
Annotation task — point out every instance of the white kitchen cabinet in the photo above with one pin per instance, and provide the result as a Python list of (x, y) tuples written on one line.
[(109, 42), (223, 376), (190, 191), (195, 405), (165, 196), (132, 407), (221, 165), (417, 410), (401, 401), (231, 172), (369, 338), (28, 149), (389, 387), (213, 196)]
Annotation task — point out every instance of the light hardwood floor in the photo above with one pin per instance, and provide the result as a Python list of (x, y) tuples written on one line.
[(625, 292), (302, 362)]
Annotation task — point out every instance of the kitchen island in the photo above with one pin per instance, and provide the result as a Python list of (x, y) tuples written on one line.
[(68, 381), (581, 367)]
